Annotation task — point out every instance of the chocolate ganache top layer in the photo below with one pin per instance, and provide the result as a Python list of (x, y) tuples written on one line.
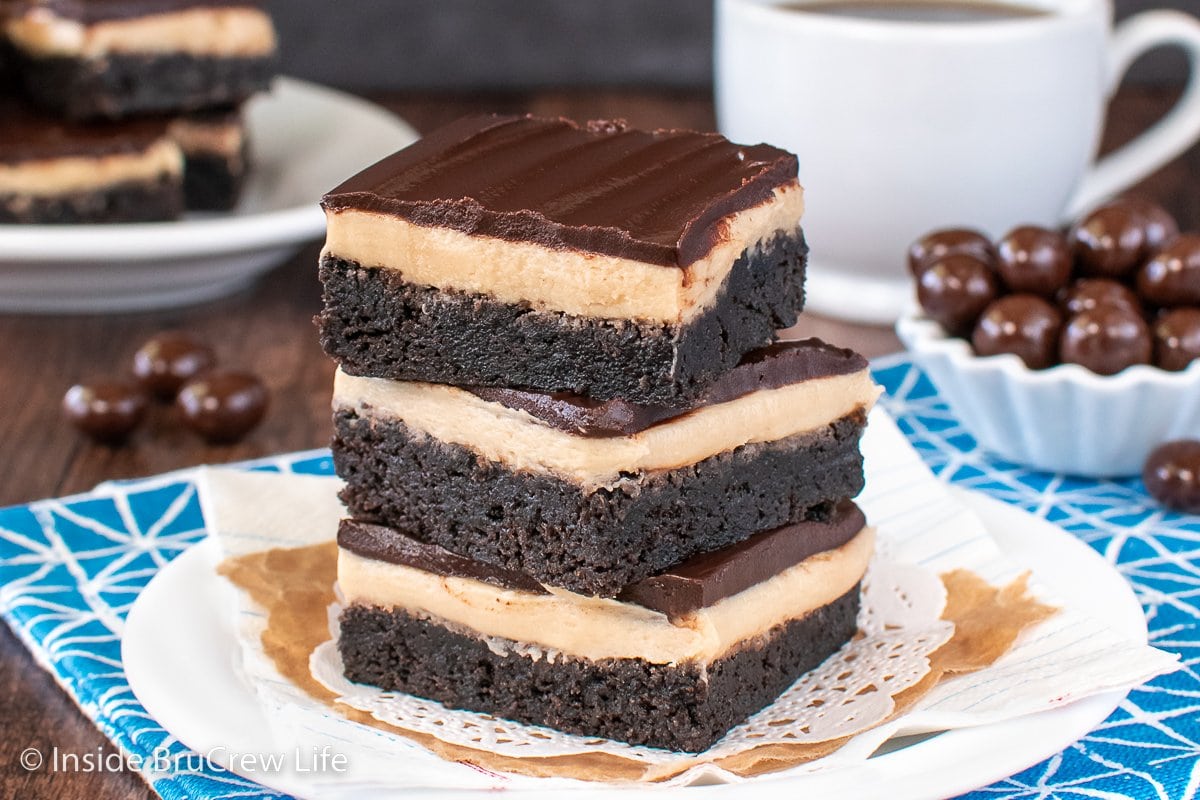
[(388, 544), (772, 367), (702, 581), (89, 11), (28, 135), (656, 197)]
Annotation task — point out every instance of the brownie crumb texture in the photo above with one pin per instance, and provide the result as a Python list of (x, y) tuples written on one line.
[(148, 201), (212, 182), (683, 707), (122, 85), (376, 324), (593, 542)]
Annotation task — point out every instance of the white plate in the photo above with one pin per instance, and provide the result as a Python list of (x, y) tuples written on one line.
[(179, 652), (852, 296), (305, 139)]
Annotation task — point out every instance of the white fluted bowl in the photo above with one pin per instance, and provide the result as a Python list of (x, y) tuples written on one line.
[(1064, 419)]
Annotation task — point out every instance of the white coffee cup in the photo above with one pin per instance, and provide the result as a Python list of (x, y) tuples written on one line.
[(905, 127)]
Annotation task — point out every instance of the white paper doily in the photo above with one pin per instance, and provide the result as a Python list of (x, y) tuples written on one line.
[(900, 627)]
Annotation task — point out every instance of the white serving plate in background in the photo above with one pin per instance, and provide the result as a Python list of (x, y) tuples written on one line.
[(304, 138)]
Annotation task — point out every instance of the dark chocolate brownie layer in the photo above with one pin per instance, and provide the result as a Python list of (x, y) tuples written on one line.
[(591, 542), (212, 183), (376, 324), (677, 707), (120, 85), (128, 202)]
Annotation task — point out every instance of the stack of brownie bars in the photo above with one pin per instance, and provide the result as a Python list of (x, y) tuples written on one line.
[(586, 488), (126, 110)]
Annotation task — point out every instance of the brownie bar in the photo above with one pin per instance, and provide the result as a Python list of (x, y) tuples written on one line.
[(685, 707), (376, 324), (120, 85), (591, 542), (60, 172), (128, 202), (216, 157)]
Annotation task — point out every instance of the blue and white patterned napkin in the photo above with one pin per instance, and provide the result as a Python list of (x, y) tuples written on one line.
[(71, 568)]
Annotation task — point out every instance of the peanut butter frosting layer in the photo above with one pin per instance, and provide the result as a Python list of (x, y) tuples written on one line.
[(72, 174), (522, 442), (559, 621), (604, 282), (219, 134), (92, 30), (771, 367)]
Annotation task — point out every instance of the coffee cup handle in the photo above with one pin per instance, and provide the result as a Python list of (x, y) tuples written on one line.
[(1167, 138)]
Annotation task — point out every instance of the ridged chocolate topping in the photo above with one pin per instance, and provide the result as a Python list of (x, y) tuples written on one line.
[(89, 11), (772, 367), (705, 579), (27, 135), (388, 544), (657, 197)]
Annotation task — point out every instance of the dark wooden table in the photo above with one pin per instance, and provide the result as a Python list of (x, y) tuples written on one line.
[(268, 329)]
